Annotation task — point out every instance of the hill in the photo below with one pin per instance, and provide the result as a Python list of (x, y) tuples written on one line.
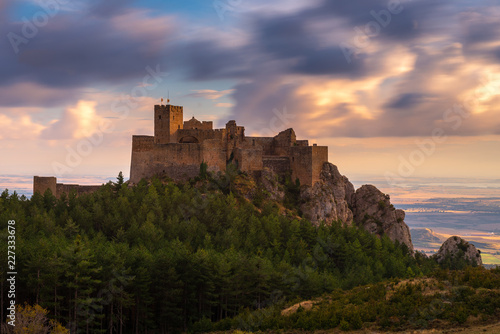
[(166, 257)]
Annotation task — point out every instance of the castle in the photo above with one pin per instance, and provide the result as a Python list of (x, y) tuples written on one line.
[(178, 148)]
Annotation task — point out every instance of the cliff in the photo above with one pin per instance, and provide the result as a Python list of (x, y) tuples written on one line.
[(333, 198)]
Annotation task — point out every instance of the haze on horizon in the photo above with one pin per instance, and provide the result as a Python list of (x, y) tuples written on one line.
[(395, 89)]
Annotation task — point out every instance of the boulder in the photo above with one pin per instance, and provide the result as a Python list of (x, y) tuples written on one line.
[(457, 247)]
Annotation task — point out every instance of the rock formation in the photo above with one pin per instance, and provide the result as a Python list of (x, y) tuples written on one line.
[(328, 200), (457, 247), (333, 199), (375, 213)]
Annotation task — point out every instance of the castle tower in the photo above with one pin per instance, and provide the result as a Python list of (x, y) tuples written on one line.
[(168, 119), (42, 184)]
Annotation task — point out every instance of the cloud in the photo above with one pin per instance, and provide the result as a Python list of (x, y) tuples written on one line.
[(30, 94), (77, 48), (20, 127), (76, 122), (224, 105), (209, 93)]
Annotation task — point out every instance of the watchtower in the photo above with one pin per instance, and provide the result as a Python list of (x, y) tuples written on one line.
[(168, 119)]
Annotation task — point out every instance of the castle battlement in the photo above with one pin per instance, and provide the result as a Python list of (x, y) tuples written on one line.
[(178, 148)]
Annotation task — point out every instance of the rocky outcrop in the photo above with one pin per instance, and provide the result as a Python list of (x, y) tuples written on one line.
[(333, 199), (374, 212), (270, 183), (456, 247), (329, 199)]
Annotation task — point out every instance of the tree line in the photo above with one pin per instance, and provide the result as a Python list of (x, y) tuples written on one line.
[(164, 257)]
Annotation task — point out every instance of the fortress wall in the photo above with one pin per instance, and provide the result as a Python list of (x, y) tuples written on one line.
[(249, 158), (200, 134), (78, 189), (280, 165), (283, 141), (41, 184), (265, 142), (195, 124), (302, 142), (213, 153), (319, 157), (307, 162), (142, 147), (177, 161), (142, 143), (301, 162), (176, 121), (66, 188), (87, 189)]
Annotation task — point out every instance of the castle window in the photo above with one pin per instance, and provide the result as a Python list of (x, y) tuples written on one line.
[(159, 117), (173, 117), (293, 159), (178, 126)]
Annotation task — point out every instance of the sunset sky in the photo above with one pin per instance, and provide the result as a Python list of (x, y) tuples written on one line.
[(395, 89)]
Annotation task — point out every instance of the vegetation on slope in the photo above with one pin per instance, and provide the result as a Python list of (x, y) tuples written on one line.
[(163, 257)]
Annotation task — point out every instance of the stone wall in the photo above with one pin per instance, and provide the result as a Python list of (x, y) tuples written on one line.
[(319, 156), (280, 165), (199, 134), (193, 123), (249, 158), (307, 162), (265, 142), (41, 184), (178, 161), (167, 120), (76, 188), (214, 154)]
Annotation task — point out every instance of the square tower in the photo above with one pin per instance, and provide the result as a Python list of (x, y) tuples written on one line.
[(168, 119)]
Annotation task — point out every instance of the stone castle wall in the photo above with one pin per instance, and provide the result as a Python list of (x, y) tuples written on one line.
[(280, 165), (42, 184), (307, 161), (179, 161)]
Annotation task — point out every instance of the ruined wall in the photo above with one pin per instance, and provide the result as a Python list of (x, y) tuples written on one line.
[(283, 141), (302, 142), (41, 184), (265, 142), (76, 188)]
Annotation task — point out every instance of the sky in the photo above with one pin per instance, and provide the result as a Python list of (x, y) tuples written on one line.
[(396, 89)]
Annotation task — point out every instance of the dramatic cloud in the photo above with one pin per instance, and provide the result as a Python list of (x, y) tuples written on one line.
[(77, 49), (361, 68), (78, 122)]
